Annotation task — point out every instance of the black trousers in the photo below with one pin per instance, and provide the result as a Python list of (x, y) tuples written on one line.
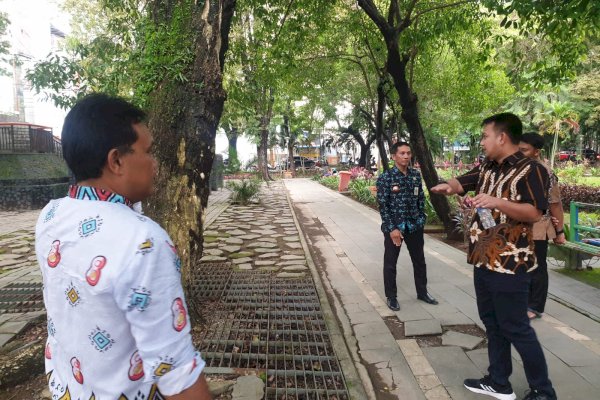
[(502, 305), (538, 289), (414, 241)]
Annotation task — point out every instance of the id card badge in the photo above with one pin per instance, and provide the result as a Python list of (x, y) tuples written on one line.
[(416, 191)]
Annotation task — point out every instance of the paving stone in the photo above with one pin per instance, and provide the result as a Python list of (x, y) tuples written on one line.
[(210, 245), (419, 365), (294, 245), (428, 382), (241, 254), (236, 232), (295, 268), (219, 387), (422, 327), (293, 262), (267, 239), (291, 239), (264, 262), (242, 260), (452, 338), (232, 240), (213, 258), (262, 250), (249, 237), (269, 255), (246, 266), (263, 231), (248, 388), (5, 338), (10, 256), (288, 257), (9, 262), (13, 327), (21, 250), (32, 258), (17, 245), (290, 274), (230, 248), (213, 252), (211, 233), (265, 245)]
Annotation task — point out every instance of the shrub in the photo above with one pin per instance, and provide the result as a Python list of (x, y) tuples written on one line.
[(570, 173), (359, 189), (360, 172), (330, 181), (582, 194), (244, 191)]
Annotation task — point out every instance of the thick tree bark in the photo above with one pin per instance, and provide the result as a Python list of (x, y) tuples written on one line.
[(232, 138), (379, 126), (184, 117), (290, 141), (263, 146), (391, 28)]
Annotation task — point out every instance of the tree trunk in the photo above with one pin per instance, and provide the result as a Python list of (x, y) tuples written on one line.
[(410, 114), (379, 126), (232, 137), (263, 147), (290, 142), (184, 117)]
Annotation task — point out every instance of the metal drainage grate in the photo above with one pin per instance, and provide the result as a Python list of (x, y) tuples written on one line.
[(21, 297), (275, 327), (210, 280)]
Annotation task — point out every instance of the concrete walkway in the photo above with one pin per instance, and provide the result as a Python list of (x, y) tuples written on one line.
[(347, 244)]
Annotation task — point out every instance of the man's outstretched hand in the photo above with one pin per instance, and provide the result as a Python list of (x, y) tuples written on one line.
[(442, 188)]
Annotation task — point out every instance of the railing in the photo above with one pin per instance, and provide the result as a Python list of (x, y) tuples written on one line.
[(574, 225), (28, 138)]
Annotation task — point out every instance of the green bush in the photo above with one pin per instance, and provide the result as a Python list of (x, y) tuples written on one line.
[(244, 191), (359, 189), (570, 173), (330, 181)]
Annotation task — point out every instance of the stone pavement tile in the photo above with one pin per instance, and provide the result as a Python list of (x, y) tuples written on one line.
[(410, 310), (409, 347), (437, 393), (566, 381), (377, 341), (5, 338), (419, 365), (451, 365), (405, 382), (242, 260), (6, 317), (423, 327), (381, 355), (295, 268), (590, 374), (568, 350), (460, 393), (362, 330), (248, 387), (465, 341), (290, 274), (363, 317), (13, 327)]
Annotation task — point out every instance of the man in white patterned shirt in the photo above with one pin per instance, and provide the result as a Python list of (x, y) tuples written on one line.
[(118, 325)]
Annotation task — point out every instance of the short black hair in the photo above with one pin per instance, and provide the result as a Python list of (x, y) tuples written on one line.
[(534, 139), (97, 124), (395, 146), (508, 123)]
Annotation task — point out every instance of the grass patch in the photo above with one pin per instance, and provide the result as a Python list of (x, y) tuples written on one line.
[(591, 277), (32, 166), (589, 181), (210, 239)]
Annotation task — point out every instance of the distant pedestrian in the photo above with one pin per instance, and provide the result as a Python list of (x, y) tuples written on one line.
[(118, 324), (543, 230), (402, 207), (511, 192)]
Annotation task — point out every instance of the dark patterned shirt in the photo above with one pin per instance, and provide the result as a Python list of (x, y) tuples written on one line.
[(401, 200), (508, 246)]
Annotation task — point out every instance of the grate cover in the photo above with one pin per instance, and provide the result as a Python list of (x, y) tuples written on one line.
[(21, 297), (275, 327)]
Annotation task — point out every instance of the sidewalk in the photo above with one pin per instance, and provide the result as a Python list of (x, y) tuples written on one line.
[(347, 244)]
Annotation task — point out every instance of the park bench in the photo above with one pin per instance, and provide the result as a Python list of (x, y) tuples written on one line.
[(576, 249)]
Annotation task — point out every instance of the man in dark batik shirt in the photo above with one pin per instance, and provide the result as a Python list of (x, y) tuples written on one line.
[(402, 207), (511, 194)]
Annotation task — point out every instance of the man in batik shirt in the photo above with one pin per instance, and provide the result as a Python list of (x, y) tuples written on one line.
[(118, 325), (510, 196), (402, 207)]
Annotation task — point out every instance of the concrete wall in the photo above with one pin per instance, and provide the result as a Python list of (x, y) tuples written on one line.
[(31, 194)]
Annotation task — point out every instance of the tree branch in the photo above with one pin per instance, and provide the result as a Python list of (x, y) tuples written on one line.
[(287, 13), (406, 21), (371, 10), (441, 6)]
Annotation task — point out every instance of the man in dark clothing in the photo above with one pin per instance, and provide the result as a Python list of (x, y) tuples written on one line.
[(511, 194), (402, 207)]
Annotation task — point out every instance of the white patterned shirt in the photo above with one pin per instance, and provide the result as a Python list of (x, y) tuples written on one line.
[(118, 325)]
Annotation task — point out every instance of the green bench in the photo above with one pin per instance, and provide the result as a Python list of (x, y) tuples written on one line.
[(574, 250)]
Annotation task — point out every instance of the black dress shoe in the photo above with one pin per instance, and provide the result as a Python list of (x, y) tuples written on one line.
[(427, 298), (393, 304)]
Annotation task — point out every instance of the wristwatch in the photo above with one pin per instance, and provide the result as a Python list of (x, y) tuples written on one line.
[(559, 232)]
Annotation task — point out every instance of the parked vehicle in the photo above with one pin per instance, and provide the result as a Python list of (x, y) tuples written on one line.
[(590, 155), (567, 155), (300, 162)]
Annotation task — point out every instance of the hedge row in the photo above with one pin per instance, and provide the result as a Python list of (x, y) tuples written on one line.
[(582, 194)]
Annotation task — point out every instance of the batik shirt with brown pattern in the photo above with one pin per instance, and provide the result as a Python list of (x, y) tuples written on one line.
[(508, 246)]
